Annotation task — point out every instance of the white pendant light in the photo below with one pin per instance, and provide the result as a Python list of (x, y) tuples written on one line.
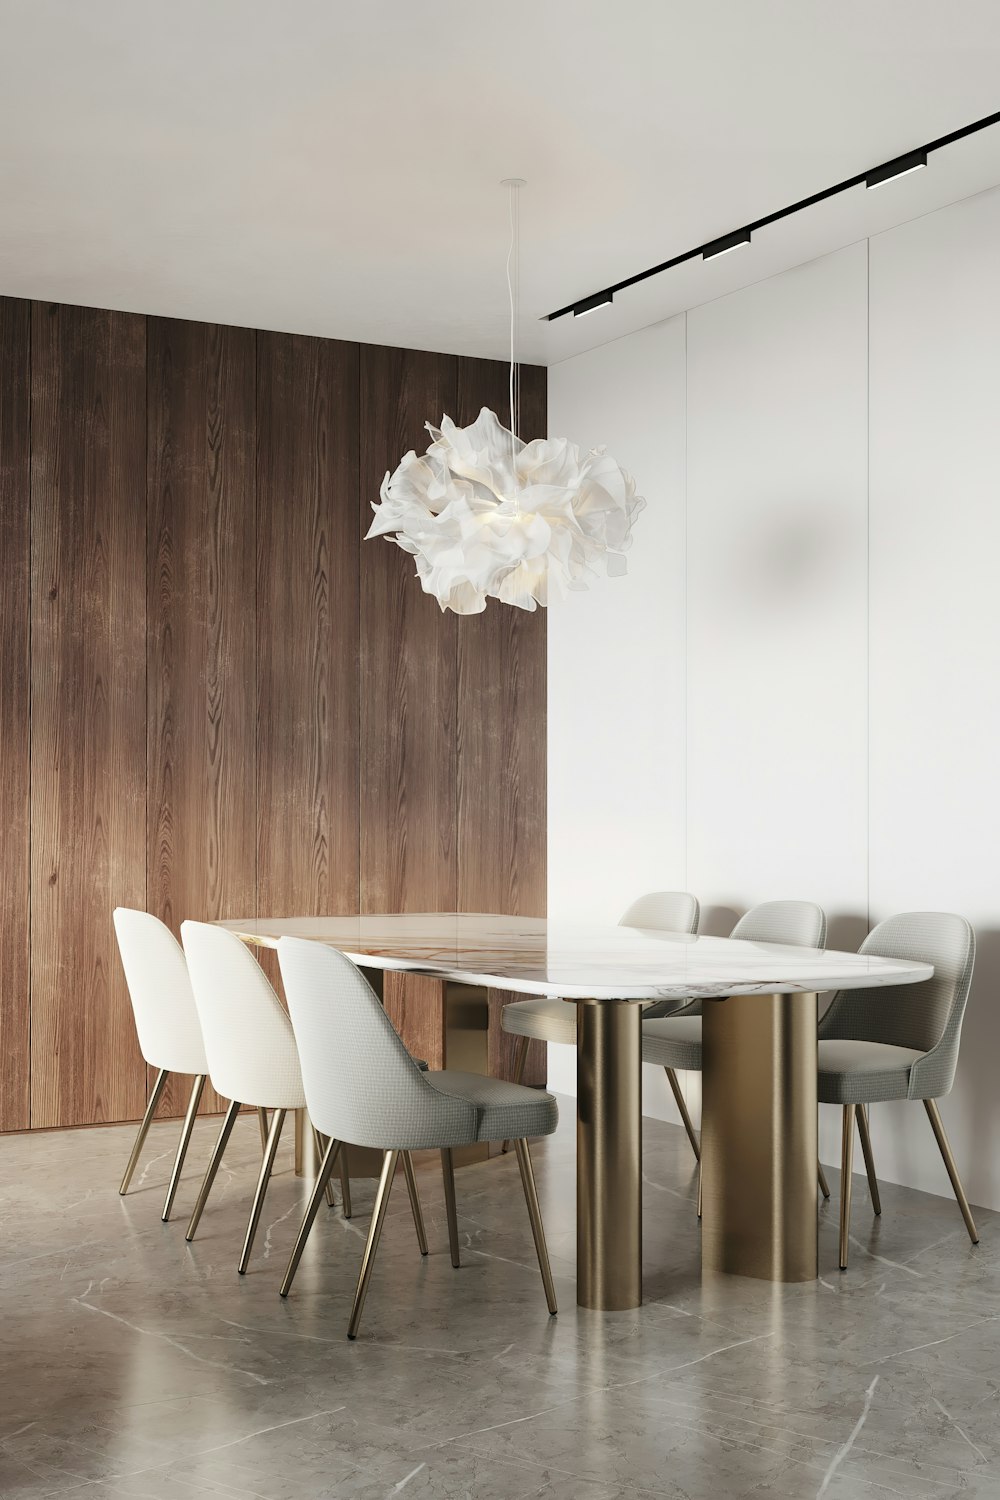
[(487, 516)]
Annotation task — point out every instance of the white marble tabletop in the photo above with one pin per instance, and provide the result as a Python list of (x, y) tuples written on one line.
[(537, 957)]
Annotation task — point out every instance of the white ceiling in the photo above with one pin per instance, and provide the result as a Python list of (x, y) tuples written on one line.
[(333, 168)]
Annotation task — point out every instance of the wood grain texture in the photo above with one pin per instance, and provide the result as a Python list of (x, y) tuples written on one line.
[(201, 581), (414, 1004), (307, 625), (15, 701), (88, 678)]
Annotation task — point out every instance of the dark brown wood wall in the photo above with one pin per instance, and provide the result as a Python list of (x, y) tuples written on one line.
[(215, 700)]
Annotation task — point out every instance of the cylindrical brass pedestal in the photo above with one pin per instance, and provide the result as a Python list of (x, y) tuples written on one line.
[(608, 1156), (758, 1136)]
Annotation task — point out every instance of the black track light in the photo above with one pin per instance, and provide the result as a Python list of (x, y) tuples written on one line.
[(728, 242), (897, 168), (589, 304)]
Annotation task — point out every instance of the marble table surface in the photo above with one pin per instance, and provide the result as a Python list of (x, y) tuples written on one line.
[(533, 956)]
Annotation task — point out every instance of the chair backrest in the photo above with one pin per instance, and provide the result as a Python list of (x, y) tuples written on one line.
[(249, 1040), (159, 987), (361, 1084), (801, 924), (927, 1016), (666, 911)]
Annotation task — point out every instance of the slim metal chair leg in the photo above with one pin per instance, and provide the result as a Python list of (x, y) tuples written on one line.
[(866, 1150), (273, 1137), (937, 1125), (520, 1058), (212, 1168), (264, 1127), (411, 1188), (846, 1164), (824, 1186), (330, 1156), (183, 1143), (686, 1120), (699, 1190), (147, 1120), (319, 1142), (345, 1185), (451, 1207), (537, 1227), (374, 1235)]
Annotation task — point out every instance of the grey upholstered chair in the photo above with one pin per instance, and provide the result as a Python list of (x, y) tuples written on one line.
[(899, 1043), (552, 1020), (362, 1087)]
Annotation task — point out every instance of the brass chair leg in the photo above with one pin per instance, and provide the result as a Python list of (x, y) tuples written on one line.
[(147, 1120), (451, 1207), (411, 1188), (212, 1168), (345, 1185), (264, 1127), (520, 1058), (699, 1190), (846, 1163), (937, 1125), (319, 1141), (183, 1143), (537, 1228), (681, 1103), (274, 1136), (374, 1235), (866, 1150), (330, 1156), (824, 1186)]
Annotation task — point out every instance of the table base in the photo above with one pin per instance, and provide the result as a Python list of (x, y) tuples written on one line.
[(608, 1155)]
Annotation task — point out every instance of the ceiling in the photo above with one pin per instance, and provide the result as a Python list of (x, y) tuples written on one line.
[(334, 169)]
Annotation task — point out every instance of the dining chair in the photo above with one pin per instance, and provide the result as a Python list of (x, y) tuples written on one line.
[(899, 1043), (166, 1023), (553, 1020), (362, 1086), (251, 1053)]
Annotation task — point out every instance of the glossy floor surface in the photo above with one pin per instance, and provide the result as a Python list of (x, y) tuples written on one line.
[(137, 1366)]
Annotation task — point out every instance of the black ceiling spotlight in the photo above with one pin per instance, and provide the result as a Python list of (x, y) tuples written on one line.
[(889, 170), (600, 299), (728, 242)]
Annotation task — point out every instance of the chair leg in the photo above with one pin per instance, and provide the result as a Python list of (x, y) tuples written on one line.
[(699, 1190), (147, 1120), (319, 1141), (374, 1235), (937, 1125), (212, 1168), (411, 1188), (681, 1103), (264, 1127), (866, 1151), (451, 1207), (330, 1155), (537, 1228), (345, 1185), (824, 1186), (520, 1058), (273, 1137), (183, 1143), (846, 1165)]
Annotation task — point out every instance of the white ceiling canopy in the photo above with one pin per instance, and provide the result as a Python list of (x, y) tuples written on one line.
[(334, 169)]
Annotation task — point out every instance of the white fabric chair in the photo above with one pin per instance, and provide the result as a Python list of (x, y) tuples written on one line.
[(899, 1043), (362, 1086), (166, 1023)]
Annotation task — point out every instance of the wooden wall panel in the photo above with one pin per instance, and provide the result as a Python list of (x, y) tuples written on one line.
[(201, 583), (88, 670), (14, 710), (307, 625)]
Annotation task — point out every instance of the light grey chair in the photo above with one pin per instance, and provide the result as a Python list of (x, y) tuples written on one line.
[(362, 1087), (899, 1043), (552, 1020)]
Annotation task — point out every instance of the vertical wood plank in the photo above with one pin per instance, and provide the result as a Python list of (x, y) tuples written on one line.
[(15, 490), (307, 626), (201, 586), (88, 671)]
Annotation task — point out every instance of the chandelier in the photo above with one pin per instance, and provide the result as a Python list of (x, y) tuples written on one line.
[(487, 516)]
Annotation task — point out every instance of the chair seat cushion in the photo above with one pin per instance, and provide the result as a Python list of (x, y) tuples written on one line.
[(543, 1020), (673, 1042), (855, 1072), (506, 1111)]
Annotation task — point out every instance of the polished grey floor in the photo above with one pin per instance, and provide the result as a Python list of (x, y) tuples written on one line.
[(137, 1366)]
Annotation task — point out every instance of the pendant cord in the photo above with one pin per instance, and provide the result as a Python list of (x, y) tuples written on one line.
[(514, 297)]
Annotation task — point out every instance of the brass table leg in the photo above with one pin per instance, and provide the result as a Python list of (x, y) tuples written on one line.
[(608, 1155), (758, 1136)]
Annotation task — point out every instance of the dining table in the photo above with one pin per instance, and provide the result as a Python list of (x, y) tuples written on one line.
[(759, 1059)]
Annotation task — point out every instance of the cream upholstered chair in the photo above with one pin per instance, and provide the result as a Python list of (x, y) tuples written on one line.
[(899, 1043), (252, 1056), (166, 1023), (552, 1020), (362, 1086)]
